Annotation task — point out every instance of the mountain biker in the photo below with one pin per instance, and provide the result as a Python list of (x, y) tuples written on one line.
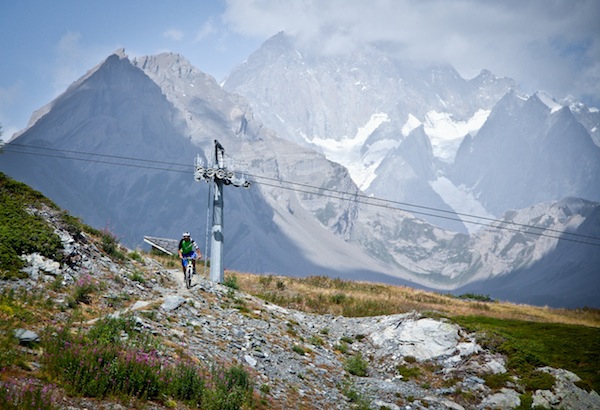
[(188, 249)]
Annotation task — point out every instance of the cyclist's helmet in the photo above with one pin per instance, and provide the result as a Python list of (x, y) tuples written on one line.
[(186, 234)]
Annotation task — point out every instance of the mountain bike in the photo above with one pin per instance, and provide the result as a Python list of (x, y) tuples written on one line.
[(189, 271)]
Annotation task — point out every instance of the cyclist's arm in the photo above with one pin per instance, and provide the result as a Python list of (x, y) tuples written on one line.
[(198, 253)]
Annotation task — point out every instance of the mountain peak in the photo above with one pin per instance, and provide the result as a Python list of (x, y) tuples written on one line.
[(120, 52), (279, 40), (548, 101)]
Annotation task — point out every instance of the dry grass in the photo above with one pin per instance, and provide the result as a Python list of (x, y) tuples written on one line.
[(322, 295)]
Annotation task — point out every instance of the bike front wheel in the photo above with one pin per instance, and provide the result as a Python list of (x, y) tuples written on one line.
[(188, 275)]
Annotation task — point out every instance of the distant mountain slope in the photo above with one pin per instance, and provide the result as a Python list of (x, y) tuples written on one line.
[(568, 277), (527, 153), (118, 147), (358, 109), (491, 148), (120, 115)]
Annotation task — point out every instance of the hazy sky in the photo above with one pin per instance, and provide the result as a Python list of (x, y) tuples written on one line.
[(550, 45)]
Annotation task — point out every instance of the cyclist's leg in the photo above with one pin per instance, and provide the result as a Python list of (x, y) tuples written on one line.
[(184, 262)]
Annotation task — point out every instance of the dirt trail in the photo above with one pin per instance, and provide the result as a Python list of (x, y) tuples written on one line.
[(176, 276)]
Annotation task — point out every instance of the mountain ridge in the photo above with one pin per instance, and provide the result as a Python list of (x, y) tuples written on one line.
[(296, 91), (304, 205)]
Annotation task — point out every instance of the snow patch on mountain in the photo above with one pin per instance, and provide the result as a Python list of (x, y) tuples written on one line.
[(463, 202), (412, 123), (347, 151), (549, 101), (446, 133)]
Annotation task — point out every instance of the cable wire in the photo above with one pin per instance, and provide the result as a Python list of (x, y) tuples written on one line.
[(347, 196)]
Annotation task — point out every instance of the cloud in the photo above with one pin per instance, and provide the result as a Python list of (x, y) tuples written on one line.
[(174, 34), (542, 44), (68, 57), (207, 29), (8, 96), (73, 58)]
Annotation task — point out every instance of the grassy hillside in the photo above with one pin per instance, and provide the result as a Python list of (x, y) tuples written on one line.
[(77, 360), (69, 356), (530, 336), (22, 232)]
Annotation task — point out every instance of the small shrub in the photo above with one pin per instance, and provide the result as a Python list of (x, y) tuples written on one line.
[(264, 388), (496, 381), (109, 330), (232, 388), (467, 397), (299, 349), (57, 283), (522, 361), (408, 373), (138, 276), (84, 287), (526, 401), (187, 383), (265, 280), (110, 244), (231, 281), (8, 347), (136, 256), (354, 396), (316, 340), (338, 298), (410, 359), (491, 341), (539, 380), (356, 365), (27, 396), (342, 347), (290, 329), (347, 339), (475, 296), (450, 382), (241, 306)]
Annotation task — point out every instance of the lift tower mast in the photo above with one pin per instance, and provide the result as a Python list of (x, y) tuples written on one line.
[(219, 175)]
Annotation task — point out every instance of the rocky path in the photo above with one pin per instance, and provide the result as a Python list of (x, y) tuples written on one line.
[(301, 359)]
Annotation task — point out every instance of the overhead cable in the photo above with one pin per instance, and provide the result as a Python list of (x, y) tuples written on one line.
[(357, 196)]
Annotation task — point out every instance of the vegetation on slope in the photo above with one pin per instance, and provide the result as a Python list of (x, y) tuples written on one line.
[(528, 336), (111, 360), (530, 345), (21, 231)]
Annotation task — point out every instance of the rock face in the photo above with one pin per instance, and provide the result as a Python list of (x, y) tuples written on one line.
[(302, 359), (424, 339), (509, 150)]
